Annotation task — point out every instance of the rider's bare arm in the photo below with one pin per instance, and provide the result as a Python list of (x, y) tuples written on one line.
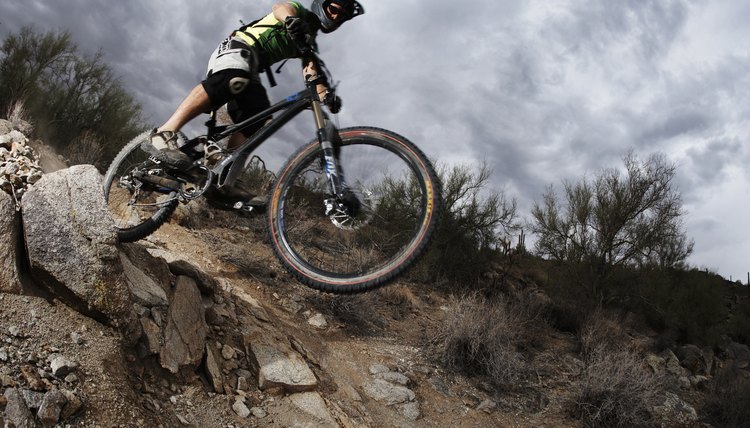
[(282, 11), (310, 69)]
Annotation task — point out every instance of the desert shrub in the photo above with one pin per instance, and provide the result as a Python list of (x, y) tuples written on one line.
[(398, 300), (729, 398), (688, 304), (615, 390), (64, 91), (358, 313), (18, 117), (739, 326), (85, 149), (565, 317), (472, 229), (367, 313), (614, 221), (600, 331), (481, 337)]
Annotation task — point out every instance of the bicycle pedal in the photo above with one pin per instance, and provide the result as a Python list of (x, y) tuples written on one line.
[(240, 206)]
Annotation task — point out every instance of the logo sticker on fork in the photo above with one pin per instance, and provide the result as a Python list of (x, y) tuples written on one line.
[(330, 166)]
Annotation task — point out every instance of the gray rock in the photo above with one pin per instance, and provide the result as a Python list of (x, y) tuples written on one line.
[(313, 404), (440, 386), (378, 368), (143, 288), (675, 412), (240, 409), (227, 352), (487, 406), (242, 384), (71, 242), (213, 370), (16, 413), (33, 399), (185, 334), (15, 331), (51, 408), (318, 321), (10, 281), (393, 377), (61, 366), (657, 364), (673, 366), (691, 357), (279, 366), (409, 410), (258, 412), (388, 393), (178, 265), (152, 335), (73, 405)]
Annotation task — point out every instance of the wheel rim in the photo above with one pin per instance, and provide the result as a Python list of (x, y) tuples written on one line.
[(129, 201), (385, 230)]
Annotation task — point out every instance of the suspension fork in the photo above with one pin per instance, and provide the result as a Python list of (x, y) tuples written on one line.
[(328, 137)]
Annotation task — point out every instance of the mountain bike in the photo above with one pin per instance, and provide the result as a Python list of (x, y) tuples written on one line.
[(348, 212)]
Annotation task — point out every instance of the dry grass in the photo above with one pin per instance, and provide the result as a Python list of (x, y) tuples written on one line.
[(615, 390), (360, 313), (729, 399), (16, 115), (601, 331), (85, 149), (481, 337), (400, 300)]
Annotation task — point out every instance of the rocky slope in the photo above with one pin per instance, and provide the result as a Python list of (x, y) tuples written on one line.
[(198, 326)]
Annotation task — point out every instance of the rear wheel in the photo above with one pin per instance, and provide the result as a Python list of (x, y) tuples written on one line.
[(377, 230), (137, 207)]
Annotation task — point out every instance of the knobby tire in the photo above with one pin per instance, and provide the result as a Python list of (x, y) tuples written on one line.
[(384, 238), (129, 230)]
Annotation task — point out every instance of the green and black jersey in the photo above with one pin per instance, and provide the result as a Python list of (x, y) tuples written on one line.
[(268, 36)]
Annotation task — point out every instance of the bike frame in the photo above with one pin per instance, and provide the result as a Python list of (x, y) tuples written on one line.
[(230, 167)]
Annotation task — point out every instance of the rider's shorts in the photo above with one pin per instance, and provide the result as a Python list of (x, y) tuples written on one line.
[(232, 78)]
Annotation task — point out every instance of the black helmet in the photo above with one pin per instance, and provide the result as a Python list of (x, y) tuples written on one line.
[(351, 7)]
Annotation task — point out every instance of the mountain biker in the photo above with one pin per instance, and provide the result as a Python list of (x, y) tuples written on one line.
[(233, 70)]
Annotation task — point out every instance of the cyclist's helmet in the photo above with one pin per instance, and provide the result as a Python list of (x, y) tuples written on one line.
[(351, 9)]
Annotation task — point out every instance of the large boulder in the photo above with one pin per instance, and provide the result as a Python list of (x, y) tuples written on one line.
[(9, 272), (71, 244)]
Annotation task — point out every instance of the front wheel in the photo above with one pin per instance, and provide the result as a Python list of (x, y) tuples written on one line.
[(138, 203), (381, 226)]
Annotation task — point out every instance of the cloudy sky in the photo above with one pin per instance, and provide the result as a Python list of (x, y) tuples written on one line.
[(541, 90)]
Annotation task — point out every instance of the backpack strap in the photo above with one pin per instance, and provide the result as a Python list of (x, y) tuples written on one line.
[(266, 68)]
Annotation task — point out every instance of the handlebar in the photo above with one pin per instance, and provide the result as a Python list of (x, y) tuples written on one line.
[(324, 77)]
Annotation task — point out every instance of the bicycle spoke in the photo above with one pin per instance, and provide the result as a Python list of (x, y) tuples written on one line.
[(346, 245)]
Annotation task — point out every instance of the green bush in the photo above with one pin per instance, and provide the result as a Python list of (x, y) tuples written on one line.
[(688, 303), (71, 98), (612, 222)]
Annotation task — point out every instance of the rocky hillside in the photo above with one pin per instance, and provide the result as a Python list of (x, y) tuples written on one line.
[(198, 326)]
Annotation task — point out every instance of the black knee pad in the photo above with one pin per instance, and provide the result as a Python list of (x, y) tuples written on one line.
[(250, 102), (226, 85)]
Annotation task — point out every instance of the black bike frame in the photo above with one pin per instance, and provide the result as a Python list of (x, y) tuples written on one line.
[(290, 108)]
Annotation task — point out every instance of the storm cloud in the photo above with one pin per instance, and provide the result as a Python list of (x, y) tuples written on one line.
[(541, 90)]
